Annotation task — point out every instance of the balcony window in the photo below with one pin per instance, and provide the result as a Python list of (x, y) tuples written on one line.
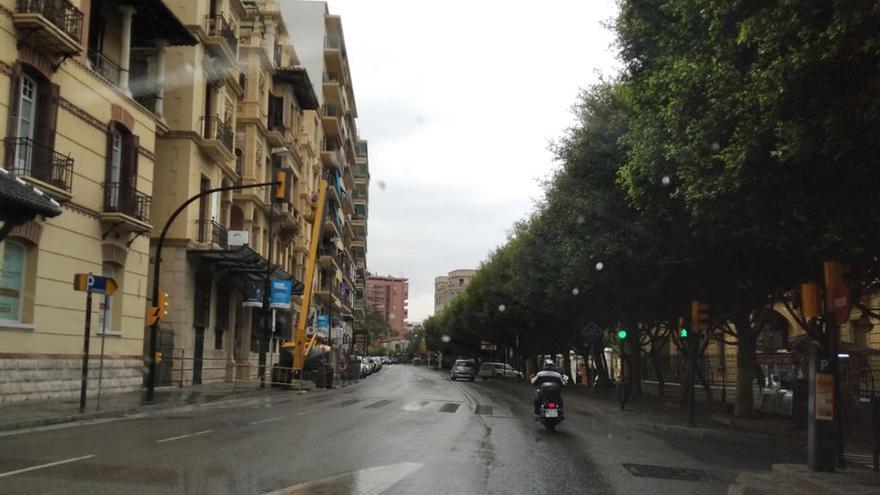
[(120, 191), (105, 67), (29, 148), (217, 25)]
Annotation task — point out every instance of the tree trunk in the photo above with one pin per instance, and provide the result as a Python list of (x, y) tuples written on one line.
[(635, 359), (685, 381), (707, 386), (601, 366), (661, 380), (745, 368)]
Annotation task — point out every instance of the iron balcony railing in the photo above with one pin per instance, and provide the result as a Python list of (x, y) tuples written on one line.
[(331, 110), (218, 26), (147, 101), (61, 13), (277, 54), (125, 199), (216, 128), (28, 158), (211, 232), (107, 68)]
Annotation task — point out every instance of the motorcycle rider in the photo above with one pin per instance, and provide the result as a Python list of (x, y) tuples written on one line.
[(548, 375)]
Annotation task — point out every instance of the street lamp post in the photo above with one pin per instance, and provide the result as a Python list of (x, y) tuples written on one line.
[(157, 262)]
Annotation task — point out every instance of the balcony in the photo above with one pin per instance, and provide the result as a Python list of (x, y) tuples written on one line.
[(126, 207), (216, 139), (276, 54), (214, 234), (221, 39), (52, 25), (330, 121), (41, 164), (287, 217), (105, 67), (331, 154)]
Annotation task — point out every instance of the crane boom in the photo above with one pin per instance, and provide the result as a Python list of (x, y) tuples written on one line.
[(300, 350)]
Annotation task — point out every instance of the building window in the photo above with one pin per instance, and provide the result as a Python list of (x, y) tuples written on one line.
[(12, 280)]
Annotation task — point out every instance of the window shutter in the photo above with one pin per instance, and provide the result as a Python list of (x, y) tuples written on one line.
[(108, 161), (52, 114), (271, 112), (130, 146), (12, 123), (44, 131)]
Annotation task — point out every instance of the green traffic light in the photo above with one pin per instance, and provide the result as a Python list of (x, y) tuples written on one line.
[(684, 333), (621, 334)]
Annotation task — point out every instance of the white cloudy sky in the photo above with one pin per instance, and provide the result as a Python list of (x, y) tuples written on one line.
[(459, 100)]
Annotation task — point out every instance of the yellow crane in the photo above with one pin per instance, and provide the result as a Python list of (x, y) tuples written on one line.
[(301, 346)]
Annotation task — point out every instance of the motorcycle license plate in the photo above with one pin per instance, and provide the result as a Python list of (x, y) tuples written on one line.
[(551, 413)]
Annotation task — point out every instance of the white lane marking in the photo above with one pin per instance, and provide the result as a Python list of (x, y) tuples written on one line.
[(188, 435), (41, 466), (306, 412), (276, 418), (60, 426)]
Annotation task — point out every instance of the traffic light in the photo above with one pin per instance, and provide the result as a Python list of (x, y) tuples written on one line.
[(621, 334), (683, 333), (162, 305), (157, 357), (152, 316), (699, 316), (282, 188)]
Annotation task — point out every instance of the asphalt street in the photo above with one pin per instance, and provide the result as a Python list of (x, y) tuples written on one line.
[(404, 430)]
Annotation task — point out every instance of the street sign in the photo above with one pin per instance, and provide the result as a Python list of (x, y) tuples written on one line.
[(487, 346), (279, 297), (95, 284), (840, 301), (592, 332), (322, 322), (253, 297)]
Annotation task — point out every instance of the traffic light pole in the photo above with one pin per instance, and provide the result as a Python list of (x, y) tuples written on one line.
[(157, 262)]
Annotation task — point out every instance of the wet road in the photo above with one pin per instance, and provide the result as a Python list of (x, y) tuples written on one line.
[(404, 430)]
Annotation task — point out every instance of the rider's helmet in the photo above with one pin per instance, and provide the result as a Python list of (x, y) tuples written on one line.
[(549, 365)]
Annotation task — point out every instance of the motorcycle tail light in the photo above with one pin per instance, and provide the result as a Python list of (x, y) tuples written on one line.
[(551, 405)]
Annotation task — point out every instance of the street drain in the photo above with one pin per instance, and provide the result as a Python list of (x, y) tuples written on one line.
[(674, 473), (484, 410), (449, 407), (381, 403), (348, 402)]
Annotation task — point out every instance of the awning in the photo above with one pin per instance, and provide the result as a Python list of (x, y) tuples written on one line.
[(244, 262), (802, 342), (298, 78), (20, 202)]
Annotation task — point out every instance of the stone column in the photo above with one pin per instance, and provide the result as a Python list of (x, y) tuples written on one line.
[(160, 78), (125, 54)]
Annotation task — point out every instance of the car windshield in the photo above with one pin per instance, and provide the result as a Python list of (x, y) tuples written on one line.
[(330, 246)]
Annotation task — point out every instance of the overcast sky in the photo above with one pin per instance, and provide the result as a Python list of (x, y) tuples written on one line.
[(459, 101)]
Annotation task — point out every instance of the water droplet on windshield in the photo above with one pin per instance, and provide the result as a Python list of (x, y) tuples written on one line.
[(445, 338), (600, 266), (665, 180), (580, 219), (715, 146), (381, 184), (502, 308), (575, 291)]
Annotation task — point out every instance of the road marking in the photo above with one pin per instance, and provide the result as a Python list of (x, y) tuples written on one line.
[(415, 406), (188, 435), (306, 412), (276, 418), (41, 466)]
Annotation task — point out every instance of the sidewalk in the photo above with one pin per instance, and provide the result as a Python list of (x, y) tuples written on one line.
[(28, 414)]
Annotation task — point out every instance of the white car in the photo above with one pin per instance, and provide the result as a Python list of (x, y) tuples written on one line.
[(498, 370)]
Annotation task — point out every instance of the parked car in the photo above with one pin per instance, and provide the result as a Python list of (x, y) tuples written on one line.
[(378, 362), (417, 361), (366, 366), (386, 360), (463, 368), (498, 370)]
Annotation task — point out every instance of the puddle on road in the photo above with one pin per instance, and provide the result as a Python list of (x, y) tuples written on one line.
[(370, 481)]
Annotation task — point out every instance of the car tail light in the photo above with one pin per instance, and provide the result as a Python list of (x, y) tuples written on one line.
[(551, 405)]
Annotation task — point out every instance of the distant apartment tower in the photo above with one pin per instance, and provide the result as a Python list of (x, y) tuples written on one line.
[(389, 296), (448, 286)]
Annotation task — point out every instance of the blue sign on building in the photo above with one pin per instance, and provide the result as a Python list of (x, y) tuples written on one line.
[(323, 322), (279, 296)]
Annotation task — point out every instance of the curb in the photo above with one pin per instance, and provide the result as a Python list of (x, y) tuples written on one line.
[(114, 413)]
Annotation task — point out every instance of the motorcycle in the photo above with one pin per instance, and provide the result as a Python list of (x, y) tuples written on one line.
[(550, 413)]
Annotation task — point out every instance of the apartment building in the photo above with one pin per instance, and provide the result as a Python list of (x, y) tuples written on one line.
[(361, 199), (81, 86), (320, 43), (389, 296), (446, 287), (241, 109)]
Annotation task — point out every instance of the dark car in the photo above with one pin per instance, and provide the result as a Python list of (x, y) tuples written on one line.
[(463, 368)]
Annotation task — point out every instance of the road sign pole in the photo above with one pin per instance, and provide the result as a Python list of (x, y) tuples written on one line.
[(103, 337), (85, 360)]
